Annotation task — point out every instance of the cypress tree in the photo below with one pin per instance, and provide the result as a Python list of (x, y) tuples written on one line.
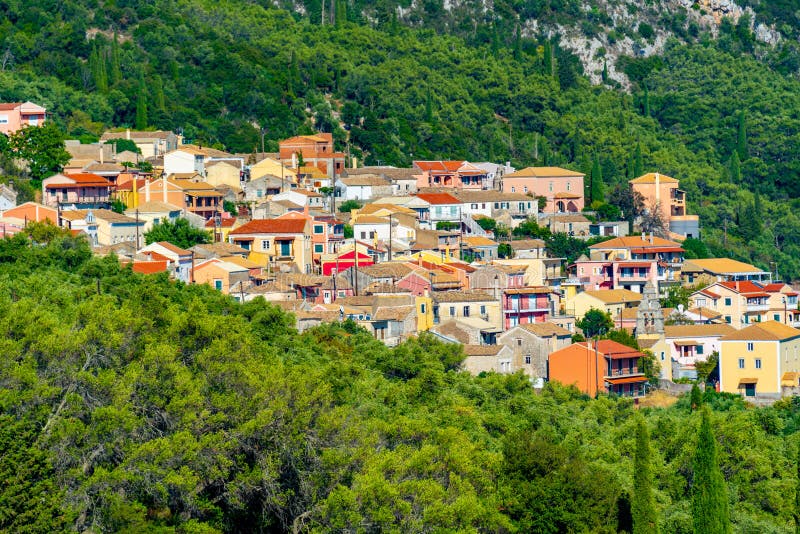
[(294, 74), (604, 74), (596, 187), (741, 137), (158, 93), (638, 165), (341, 12), (643, 508), (97, 65), (115, 70), (141, 108), (696, 398), (429, 107), (710, 511), (735, 168), (646, 102), (518, 44), (549, 64), (495, 39)]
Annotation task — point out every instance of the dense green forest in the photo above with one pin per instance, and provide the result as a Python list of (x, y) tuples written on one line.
[(398, 82), (136, 404)]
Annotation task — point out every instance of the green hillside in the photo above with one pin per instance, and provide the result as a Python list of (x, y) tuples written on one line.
[(135, 404), (398, 88)]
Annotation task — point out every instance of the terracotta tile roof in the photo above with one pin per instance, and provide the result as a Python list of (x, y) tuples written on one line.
[(369, 219), (153, 206), (438, 198), (705, 313), (720, 266), (527, 244), (393, 313), (543, 172), (462, 296), (617, 350), (366, 180), (158, 134), (766, 331), (271, 226), (698, 330), (745, 287), (546, 329), (482, 350), (84, 179), (650, 178), (224, 223), (615, 296), (635, 242), (149, 267), (452, 330), (528, 291), (175, 250), (479, 241)]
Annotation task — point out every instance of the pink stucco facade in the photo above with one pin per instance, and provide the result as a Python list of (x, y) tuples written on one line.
[(15, 115), (562, 188)]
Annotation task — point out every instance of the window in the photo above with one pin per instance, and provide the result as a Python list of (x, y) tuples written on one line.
[(452, 311), (466, 311), (525, 189), (776, 317), (265, 245), (741, 363), (728, 319), (662, 355), (758, 363), (483, 310), (569, 186), (363, 235), (422, 308), (318, 228), (473, 206), (519, 341), (513, 189), (3, 119), (727, 301), (527, 360), (749, 347), (699, 350), (218, 284), (318, 248), (496, 205)]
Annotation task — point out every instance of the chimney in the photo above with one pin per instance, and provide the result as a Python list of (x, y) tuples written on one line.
[(164, 188), (147, 191), (651, 238), (128, 134), (643, 236), (101, 154)]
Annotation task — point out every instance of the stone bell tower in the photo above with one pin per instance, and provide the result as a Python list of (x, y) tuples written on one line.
[(649, 319)]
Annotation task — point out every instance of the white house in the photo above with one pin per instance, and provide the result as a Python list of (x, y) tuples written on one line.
[(369, 228), (8, 198), (363, 187), (179, 258), (301, 197)]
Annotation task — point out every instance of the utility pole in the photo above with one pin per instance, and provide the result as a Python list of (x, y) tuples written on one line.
[(137, 229), (333, 188), (460, 235), (390, 237)]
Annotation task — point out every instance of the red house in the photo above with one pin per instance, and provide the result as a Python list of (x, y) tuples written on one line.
[(344, 259)]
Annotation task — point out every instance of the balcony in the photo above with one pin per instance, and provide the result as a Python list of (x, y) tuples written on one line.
[(627, 371), (751, 308), (528, 310)]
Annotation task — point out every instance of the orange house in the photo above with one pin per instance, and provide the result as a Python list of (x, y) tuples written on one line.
[(16, 115), (661, 192), (316, 150), (198, 197), (31, 212), (602, 367)]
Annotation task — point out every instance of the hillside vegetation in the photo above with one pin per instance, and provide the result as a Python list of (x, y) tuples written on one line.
[(132, 403), (396, 88)]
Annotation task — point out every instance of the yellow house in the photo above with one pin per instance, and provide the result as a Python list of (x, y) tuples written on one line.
[(754, 360), (269, 166), (424, 306), (612, 301), (276, 241), (461, 304)]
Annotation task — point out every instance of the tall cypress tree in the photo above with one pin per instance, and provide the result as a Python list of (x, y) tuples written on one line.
[(735, 168), (518, 44), (549, 61), (643, 508), (429, 107), (495, 39), (97, 65), (646, 102), (596, 187), (604, 74), (141, 107), (115, 70), (741, 137), (710, 511), (638, 164)]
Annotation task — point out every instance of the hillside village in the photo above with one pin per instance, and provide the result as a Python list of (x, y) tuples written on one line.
[(515, 264)]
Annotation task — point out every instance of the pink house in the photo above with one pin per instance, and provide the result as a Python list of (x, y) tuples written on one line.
[(626, 274), (451, 174), (562, 188), (82, 190), (15, 115), (525, 305)]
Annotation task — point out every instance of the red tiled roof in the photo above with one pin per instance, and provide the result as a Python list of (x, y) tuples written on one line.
[(149, 267), (9, 106), (438, 198), (271, 226), (745, 287), (224, 223), (615, 350), (84, 179), (710, 294)]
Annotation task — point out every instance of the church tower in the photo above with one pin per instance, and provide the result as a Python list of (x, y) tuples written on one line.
[(649, 319)]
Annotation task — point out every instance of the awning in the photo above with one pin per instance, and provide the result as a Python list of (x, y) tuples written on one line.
[(640, 265), (689, 343), (626, 379), (747, 381)]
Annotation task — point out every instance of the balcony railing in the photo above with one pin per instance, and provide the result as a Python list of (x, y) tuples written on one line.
[(757, 307), (623, 372), (527, 310)]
